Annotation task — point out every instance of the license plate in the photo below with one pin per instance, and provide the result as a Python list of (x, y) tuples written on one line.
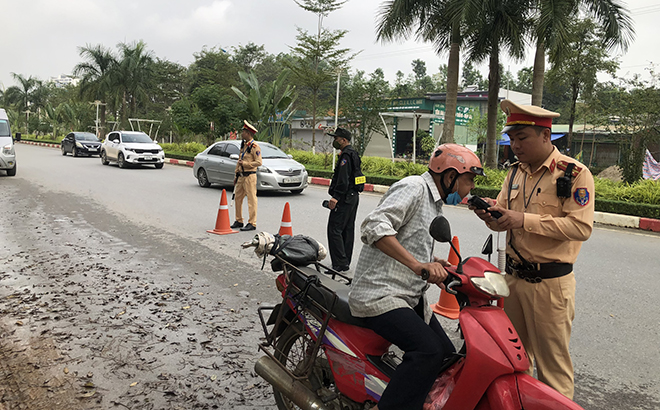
[(292, 180), (147, 157), (91, 149)]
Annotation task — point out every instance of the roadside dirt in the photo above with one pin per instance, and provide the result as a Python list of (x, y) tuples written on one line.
[(88, 321)]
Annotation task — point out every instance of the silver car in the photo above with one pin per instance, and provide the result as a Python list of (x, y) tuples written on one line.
[(217, 165)]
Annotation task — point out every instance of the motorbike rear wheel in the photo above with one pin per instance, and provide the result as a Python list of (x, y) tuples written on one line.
[(293, 349)]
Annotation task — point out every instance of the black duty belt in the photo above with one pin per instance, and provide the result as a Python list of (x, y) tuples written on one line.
[(536, 272), (244, 174)]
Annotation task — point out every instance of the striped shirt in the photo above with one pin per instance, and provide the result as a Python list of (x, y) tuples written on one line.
[(382, 284)]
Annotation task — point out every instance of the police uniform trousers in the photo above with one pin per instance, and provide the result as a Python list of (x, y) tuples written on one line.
[(542, 314), (341, 230), (246, 186)]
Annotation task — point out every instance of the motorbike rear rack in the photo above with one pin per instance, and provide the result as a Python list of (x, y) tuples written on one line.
[(299, 302)]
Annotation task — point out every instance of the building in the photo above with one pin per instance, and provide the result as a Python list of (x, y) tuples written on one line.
[(64, 80), (408, 115)]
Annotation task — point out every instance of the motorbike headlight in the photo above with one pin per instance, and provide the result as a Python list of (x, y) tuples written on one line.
[(492, 284), (78, 144), (264, 170)]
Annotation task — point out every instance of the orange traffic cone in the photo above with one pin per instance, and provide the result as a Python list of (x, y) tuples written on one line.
[(285, 226), (447, 305), (222, 225)]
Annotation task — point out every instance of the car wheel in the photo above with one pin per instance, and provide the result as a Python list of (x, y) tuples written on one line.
[(63, 150), (74, 152), (202, 178), (159, 166), (296, 191), (121, 161), (11, 172), (104, 158)]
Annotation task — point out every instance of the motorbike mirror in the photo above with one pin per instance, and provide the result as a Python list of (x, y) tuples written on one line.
[(440, 229), (488, 246)]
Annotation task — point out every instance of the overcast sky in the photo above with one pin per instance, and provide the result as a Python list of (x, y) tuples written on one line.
[(41, 37)]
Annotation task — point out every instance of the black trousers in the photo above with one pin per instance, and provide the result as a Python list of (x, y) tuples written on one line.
[(425, 347), (341, 230)]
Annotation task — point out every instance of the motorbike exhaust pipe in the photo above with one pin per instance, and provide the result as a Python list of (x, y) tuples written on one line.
[(293, 389)]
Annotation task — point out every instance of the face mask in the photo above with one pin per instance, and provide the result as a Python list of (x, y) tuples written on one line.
[(336, 144), (453, 199)]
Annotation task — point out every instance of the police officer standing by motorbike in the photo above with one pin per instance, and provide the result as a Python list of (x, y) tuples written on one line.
[(547, 208), (245, 181), (344, 190)]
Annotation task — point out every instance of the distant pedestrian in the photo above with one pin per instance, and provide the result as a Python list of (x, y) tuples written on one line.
[(347, 183), (245, 181)]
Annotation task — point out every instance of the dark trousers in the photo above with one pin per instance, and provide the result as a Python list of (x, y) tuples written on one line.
[(425, 347), (341, 230)]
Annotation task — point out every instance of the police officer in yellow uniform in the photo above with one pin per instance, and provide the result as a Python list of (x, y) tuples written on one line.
[(547, 206), (245, 182)]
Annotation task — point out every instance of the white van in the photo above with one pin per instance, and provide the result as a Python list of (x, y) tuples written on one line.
[(7, 154)]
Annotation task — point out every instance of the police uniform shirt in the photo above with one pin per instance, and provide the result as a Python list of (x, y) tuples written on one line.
[(343, 180), (553, 228), (251, 156)]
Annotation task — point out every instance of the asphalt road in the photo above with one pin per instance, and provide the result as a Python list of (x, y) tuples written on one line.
[(615, 344)]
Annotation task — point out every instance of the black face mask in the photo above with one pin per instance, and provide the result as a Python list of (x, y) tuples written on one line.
[(336, 144)]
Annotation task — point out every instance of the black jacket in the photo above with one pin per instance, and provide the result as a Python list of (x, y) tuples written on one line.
[(343, 180)]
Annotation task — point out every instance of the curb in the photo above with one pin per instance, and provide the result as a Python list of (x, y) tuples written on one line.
[(625, 221)]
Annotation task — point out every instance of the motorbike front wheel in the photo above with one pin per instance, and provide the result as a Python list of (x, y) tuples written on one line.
[(293, 348)]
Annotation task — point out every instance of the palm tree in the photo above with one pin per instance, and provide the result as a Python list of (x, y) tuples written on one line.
[(95, 81), (132, 77), (551, 32), (436, 21), (22, 95), (495, 24)]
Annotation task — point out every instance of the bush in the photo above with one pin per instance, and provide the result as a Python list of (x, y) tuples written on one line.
[(189, 148)]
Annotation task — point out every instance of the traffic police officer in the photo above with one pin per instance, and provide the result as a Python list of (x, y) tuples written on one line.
[(344, 201), (245, 181), (547, 208)]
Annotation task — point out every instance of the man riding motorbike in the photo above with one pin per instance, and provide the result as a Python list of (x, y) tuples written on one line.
[(397, 263)]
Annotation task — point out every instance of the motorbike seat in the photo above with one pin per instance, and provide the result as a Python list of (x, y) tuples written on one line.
[(324, 294)]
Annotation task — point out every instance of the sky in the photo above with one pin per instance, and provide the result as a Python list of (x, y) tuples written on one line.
[(41, 37)]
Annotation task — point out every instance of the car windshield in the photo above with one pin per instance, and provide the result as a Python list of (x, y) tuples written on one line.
[(270, 151), (4, 128), (140, 138), (86, 137)]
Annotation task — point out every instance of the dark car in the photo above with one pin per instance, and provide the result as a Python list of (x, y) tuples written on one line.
[(81, 143)]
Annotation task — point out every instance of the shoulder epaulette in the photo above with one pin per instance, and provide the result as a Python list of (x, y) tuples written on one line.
[(563, 164)]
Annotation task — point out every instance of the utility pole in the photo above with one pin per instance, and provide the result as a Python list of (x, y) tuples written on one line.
[(27, 121), (334, 151), (97, 103)]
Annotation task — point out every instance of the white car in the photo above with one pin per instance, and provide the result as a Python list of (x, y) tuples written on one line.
[(7, 153), (131, 148)]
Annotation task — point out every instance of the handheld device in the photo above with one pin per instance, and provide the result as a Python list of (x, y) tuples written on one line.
[(479, 203)]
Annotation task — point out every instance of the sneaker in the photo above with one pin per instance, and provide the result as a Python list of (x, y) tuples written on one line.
[(237, 225), (248, 227)]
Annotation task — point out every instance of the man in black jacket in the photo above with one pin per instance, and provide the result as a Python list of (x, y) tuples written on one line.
[(344, 202)]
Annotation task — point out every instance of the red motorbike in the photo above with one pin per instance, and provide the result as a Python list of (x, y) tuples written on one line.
[(318, 356)]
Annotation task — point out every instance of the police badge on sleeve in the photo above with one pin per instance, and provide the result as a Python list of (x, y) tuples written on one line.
[(581, 196)]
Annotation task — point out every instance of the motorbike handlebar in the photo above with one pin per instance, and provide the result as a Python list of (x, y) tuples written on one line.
[(449, 283)]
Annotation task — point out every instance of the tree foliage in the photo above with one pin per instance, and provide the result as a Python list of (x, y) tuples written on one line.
[(363, 98)]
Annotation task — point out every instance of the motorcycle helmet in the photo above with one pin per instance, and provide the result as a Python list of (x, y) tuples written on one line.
[(456, 157)]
